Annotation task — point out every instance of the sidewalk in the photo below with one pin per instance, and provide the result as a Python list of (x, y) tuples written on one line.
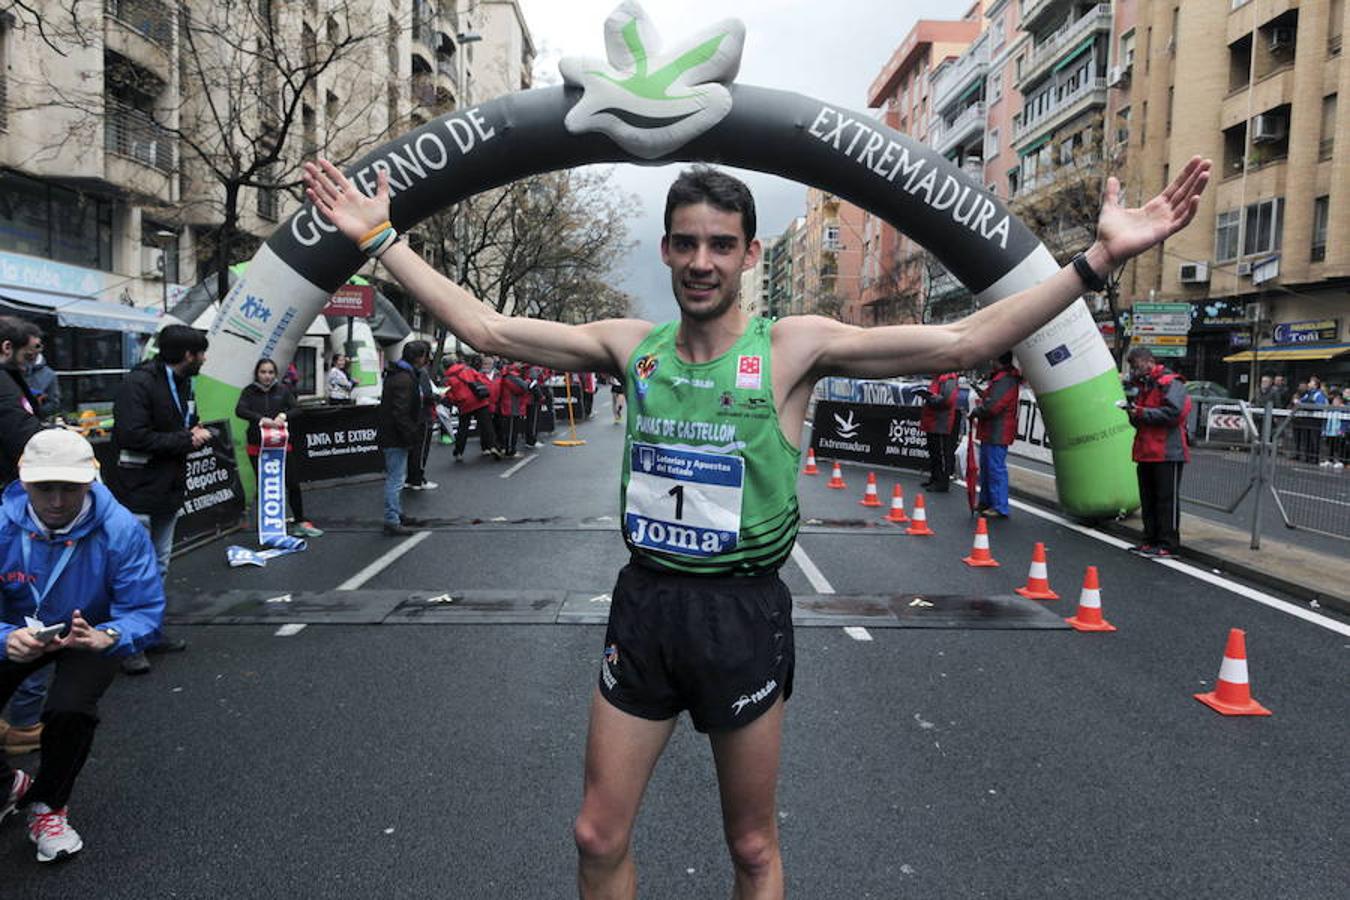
[(1281, 565)]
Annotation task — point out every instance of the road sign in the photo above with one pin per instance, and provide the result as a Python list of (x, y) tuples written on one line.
[(1163, 309), (1162, 324), (1161, 340), (1168, 351)]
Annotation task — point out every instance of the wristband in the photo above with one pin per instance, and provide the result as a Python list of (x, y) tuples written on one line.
[(376, 230), (384, 248), (1091, 279), (376, 245)]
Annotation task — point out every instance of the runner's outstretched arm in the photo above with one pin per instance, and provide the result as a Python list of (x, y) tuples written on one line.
[(903, 349), (603, 345)]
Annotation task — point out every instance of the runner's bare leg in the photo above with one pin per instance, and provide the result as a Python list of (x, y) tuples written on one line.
[(747, 777), (621, 753)]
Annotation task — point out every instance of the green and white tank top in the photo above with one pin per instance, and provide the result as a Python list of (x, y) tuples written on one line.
[(709, 479)]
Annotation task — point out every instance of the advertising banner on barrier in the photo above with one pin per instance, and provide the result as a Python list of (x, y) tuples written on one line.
[(335, 442), (871, 434), (1032, 440)]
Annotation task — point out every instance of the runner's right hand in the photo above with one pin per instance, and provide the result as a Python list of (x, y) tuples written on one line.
[(342, 203)]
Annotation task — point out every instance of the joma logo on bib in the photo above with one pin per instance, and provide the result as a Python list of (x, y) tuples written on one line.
[(676, 538)]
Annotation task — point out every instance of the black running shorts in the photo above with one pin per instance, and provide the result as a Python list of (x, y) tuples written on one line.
[(719, 647)]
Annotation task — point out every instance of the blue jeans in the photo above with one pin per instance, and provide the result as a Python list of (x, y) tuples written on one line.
[(994, 477), (161, 527), (395, 471), (25, 706)]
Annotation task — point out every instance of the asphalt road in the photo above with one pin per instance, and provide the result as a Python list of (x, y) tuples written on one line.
[(444, 760)]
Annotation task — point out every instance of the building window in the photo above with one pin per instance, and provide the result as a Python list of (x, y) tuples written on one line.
[(993, 144), (4, 72), (1226, 234), (1321, 209), (1328, 139), (55, 223), (1264, 224), (995, 88), (1000, 34)]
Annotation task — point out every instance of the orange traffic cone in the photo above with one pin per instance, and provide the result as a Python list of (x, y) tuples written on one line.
[(1089, 615), (1233, 695), (897, 513), (870, 497), (836, 478), (810, 462), (1038, 581), (980, 557), (920, 523)]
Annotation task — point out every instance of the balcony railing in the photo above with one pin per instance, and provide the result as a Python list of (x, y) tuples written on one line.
[(445, 65), (132, 133), (424, 33), (423, 91), (4, 101), (1092, 89), (974, 63), (148, 17), (1062, 41), (942, 137)]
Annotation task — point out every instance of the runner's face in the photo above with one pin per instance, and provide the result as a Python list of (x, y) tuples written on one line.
[(56, 503), (707, 252)]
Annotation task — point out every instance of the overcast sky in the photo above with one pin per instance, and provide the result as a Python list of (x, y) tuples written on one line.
[(826, 49)]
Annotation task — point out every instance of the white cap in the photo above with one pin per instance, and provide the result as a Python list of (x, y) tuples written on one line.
[(56, 454)]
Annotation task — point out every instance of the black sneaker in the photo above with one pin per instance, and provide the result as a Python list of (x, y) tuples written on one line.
[(392, 530), (412, 522), (136, 664), (167, 645)]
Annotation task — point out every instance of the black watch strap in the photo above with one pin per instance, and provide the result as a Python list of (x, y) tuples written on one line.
[(1091, 279)]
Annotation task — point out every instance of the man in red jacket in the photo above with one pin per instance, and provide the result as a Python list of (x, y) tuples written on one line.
[(1158, 413), (511, 394), (939, 422), (469, 390), (997, 418)]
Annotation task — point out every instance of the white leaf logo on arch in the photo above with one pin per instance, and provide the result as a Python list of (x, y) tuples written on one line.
[(652, 103)]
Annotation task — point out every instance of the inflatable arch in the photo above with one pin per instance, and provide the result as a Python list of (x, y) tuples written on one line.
[(633, 110)]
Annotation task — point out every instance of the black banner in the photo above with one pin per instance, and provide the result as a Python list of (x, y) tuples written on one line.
[(875, 435), (334, 442)]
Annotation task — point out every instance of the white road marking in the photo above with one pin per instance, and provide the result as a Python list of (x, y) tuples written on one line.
[(291, 629), (383, 562), (857, 632), (1197, 573), (809, 569), (441, 598), (284, 598), (600, 598), (518, 466)]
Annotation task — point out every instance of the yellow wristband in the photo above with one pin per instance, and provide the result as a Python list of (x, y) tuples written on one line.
[(376, 230)]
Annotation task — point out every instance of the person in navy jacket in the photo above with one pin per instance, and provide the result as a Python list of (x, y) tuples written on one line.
[(70, 555)]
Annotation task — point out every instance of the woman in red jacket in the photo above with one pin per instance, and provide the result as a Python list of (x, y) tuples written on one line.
[(512, 395), (468, 390)]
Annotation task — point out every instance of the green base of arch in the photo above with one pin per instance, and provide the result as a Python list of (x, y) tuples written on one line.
[(1094, 469)]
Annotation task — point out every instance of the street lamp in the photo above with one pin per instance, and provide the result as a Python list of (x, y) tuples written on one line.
[(462, 221), (165, 239)]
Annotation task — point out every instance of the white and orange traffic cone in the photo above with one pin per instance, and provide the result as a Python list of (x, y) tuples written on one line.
[(919, 524), (810, 462), (980, 557), (1089, 615), (1233, 694), (1038, 577), (870, 497), (836, 478), (897, 513)]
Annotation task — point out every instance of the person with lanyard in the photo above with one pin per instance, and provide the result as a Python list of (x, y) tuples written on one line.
[(155, 428), (265, 403), (79, 588), (399, 428), (699, 619), (997, 418)]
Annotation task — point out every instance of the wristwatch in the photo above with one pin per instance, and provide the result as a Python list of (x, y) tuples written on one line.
[(112, 633), (1091, 279)]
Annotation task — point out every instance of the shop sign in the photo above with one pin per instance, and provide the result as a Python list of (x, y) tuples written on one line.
[(1219, 314), (352, 300), (1307, 332)]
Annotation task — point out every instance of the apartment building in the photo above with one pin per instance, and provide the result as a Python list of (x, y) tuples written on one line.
[(832, 250), (754, 297)]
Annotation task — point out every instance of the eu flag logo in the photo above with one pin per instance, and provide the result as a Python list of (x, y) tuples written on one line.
[(1058, 355)]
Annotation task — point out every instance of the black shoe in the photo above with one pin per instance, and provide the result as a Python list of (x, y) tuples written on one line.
[(412, 522), (939, 490), (392, 530), (167, 645), (928, 483), (136, 664)]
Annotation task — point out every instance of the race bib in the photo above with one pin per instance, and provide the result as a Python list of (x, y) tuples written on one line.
[(683, 501)]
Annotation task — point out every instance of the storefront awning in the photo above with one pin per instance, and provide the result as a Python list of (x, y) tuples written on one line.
[(82, 312), (1278, 352), (1034, 145)]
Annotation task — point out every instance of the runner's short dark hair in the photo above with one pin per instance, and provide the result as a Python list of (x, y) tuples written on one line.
[(18, 331), (415, 350), (704, 184), (177, 341)]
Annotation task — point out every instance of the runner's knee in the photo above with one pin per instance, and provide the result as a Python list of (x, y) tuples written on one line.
[(595, 841)]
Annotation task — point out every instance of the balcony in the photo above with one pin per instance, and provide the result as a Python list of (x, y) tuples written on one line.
[(973, 64), (943, 137), (1036, 14), (1089, 94), (423, 91), (149, 18), (141, 31), (1053, 49), (132, 133), (424, 38)]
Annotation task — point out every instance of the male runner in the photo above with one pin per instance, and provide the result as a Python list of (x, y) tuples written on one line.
[(716, 402)]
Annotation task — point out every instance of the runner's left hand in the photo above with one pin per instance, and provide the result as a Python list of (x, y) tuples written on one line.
[(1123, 233)]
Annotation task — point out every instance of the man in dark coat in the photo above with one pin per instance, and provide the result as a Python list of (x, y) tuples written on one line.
[(939, 421), (400, 429), (20, 343), (155, 428)]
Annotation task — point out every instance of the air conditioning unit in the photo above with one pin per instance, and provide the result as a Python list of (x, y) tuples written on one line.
[(1244, 267), (1193, 273), (1114, 76), (1267, 128), (152, 262), (1281, 38)]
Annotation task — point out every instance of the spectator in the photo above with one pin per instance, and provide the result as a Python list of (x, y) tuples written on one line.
[(155, 428), (1281, 392), (1265, 392), (1333, 430), (266, 403), (417, 454), (939, 421), (587, 393), (1307, 423), (59, 521), (292, 377), (399, 428), (997, 417), (469, 390), (42, 381), (536, 377), (340, 382), (616, 397), (510, 394), (1158, 413), (20, 343)]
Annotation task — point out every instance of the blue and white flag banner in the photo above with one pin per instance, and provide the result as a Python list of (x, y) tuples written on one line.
[(271, 504)]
